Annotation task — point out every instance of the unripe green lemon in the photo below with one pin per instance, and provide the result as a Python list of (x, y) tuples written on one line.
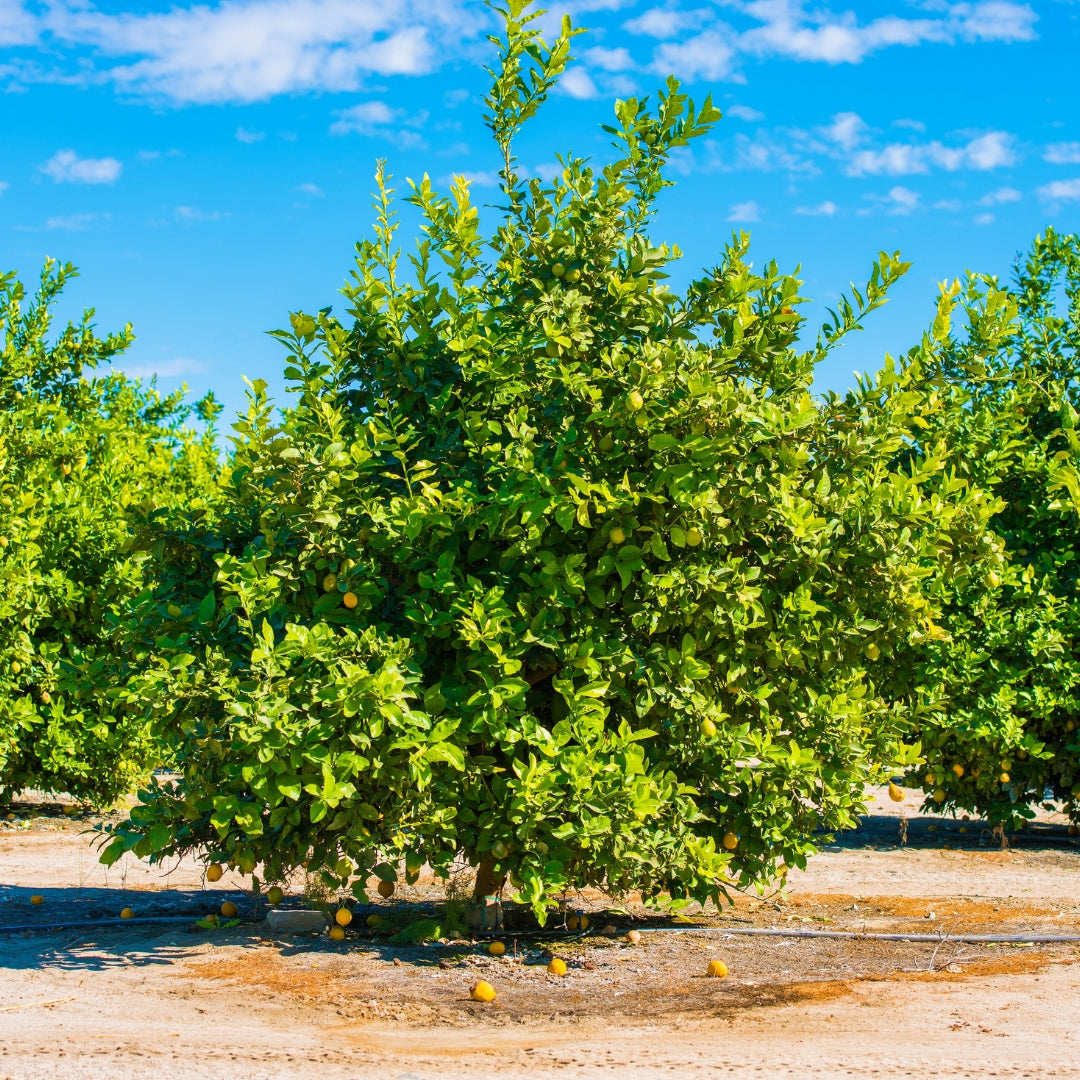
[(708, 729), (274, 895), (558, 269), (634, 401), (939, 795), (329, 583), (617, 535), (607, 444), (694, 536), (344, 868), (175, 611), (871, 650), (573, 276), (499, 849)]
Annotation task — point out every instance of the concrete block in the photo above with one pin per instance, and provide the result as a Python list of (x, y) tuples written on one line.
[(296, 922)]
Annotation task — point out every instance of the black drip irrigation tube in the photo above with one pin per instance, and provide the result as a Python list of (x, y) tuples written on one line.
[(859, 935), (88, 923)]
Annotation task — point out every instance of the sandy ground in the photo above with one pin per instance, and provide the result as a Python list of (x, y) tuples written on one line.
[(166, 1000)]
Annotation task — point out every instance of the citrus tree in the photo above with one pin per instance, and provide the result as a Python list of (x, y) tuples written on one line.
[(1002, 684), (86, 462), (549, 566)]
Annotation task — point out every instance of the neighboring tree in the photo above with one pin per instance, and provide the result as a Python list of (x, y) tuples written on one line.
[(86, 462), (1001, 688), (549, 566)]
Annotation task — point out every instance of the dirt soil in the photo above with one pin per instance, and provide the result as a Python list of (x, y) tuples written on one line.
[(167, 999)]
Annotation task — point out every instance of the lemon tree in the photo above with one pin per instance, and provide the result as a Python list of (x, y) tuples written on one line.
[(1000, 699), (548, 565), (86, 461)]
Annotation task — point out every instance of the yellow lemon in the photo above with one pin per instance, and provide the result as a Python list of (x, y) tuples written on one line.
[(959, 770), (1004, 777), (229, 910), (577, 922), (482, 991), (634, 401), (871, 650), (717, 969), (557, 966), (634, 937), (274, 895), (386, 889), (895, 793), (496, 948), (617, 535), (343, 867), (336, 933), (127, 913), (16, 667), (343, 916), (731, 841), (37, 900), (939, 795), (708, 729), (214, 872), (350, 599)]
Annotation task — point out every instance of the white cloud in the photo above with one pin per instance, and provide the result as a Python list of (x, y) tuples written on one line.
[(983, 153), (578, 84), (1002, 195), (191, 214), (251, 50), (17, 25), (163, 369), (1060, 191), (1062, 153), (744, 112), (453, 98), (664, 22), (310, 189), (826, 209), (378, 120), (708, 56), (67, 167), (911, 125), (847, 130), (903, 199), (609, 59), (984, 219), (245, 136), (75, 222), (745, 211), (995, 20), (3, 187)]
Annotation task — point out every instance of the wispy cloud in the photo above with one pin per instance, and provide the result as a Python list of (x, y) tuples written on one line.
[(3, 186), (192, 214), (981, 153), (745, 211), (251, 50), (1060, 191), (1001, 196), (664, 22), (66, 167), (826, 209), (175, 368), (609, 59), (710, 55), (245, 136), (310, 189), (1062, 153), (75, 222), (744, 112), (378, 120)]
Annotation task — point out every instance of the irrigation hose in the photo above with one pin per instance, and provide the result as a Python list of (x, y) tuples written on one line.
[(859, 935)]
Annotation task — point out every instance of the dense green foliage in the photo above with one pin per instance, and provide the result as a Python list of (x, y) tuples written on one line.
[(548, 566), (85, 462), (1005, 683)]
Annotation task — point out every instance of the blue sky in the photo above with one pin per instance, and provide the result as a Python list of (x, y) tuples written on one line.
[(208, 167)]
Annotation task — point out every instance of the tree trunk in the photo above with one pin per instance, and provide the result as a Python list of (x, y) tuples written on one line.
[(486, 910), (486, 882)]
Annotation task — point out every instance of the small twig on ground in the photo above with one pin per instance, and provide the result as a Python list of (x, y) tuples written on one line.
[(38, 1004)]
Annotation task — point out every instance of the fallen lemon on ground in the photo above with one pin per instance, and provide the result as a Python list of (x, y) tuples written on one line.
[(336, 933), (634, 937), (496, 948), (717, 969), (577, 922), (374, 920), (343, 916), (274, 895), (127, 913), (214, 872), (482, 991), (229, 910), (37, 899), (557, 966), (895, 793)]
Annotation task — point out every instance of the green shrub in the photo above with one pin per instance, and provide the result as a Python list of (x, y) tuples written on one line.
[(1002, 687), (82, 461), (548, 565)]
